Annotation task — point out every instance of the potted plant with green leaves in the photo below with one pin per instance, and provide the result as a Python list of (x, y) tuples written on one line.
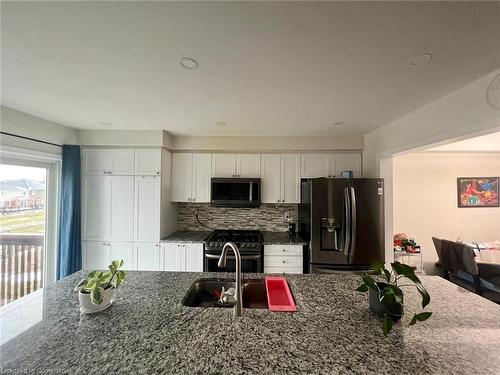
[(386, 297), (96, 291)]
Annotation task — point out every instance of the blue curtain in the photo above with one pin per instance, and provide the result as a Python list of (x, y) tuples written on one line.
[(70, 245)]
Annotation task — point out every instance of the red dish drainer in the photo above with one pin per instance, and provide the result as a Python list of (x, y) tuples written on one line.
[(279, 296)]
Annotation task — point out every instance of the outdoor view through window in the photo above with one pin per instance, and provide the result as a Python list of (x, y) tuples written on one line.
[(22, 230)]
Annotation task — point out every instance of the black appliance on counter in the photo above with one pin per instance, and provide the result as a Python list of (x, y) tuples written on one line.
[(249, 243), (342, 220), (235, 192)]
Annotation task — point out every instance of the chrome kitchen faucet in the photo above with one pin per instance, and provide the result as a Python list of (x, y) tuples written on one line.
[(238, 307)]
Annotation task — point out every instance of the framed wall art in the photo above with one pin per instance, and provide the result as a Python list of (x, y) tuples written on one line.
[(477, 192)]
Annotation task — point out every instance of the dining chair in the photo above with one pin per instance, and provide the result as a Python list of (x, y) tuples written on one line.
[(460, 267)]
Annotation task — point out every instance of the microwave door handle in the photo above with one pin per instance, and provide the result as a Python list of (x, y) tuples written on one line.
[(347, 234), (353, 223), (250, 192)]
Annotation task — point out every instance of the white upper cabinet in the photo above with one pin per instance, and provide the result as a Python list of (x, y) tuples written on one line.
[(96, 161), (121, 162), (182, 172), (147, 162), (270, 174), (290, 178), (315, 165), (96, 200), (122, 208), (280, 178), (347, 162), (147, 209), (223, 165), (248, 165), (202, 166)]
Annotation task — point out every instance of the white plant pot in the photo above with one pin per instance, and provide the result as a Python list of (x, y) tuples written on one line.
[(86, 305)]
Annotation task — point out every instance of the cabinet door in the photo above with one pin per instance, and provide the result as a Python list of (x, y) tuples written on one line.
[(125, 251), (96, 255), (315, 165), (194, 257), (347, 163), (223, 165), (147, 209), (147, 162), (248, 165), (173, 253), (96, 207), (290, 178), (270, 174), (122, 208), (182, 172), (95, 162), (202, 167), (121, 162), (148, 256)]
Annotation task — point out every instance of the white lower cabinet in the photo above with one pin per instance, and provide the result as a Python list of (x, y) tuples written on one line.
[(98, 255), (95, 255), (125, 251), (148, 256), (283, 259), (182, 257)]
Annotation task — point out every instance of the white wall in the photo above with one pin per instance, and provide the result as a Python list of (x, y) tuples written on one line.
[(268, 143), (425, 199), (115, 137), (462, 112), (20, 123)]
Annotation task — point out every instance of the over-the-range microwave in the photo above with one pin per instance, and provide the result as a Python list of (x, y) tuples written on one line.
[(235, 192)]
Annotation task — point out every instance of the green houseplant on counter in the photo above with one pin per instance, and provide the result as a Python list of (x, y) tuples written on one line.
[(386, 298), (96, 292)]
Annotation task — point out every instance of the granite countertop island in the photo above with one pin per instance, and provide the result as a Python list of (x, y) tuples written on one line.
[(148, 330)]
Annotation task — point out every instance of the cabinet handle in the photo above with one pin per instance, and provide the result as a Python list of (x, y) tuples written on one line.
[(284, 250), (104, 243), (157, 172), (284, 261)]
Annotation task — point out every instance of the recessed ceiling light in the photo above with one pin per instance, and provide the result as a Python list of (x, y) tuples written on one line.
[(419, 59), (221, 123), (189, 63), (106, 124), (339, 123)]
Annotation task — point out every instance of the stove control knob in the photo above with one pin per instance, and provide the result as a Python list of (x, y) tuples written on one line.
[(243, 245), (217, 244), (254, 245), (211, 244)]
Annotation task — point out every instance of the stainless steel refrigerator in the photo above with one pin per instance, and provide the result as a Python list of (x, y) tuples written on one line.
[(342, 220)]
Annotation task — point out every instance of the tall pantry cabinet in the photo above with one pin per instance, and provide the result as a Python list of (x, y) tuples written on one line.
[(126, 207)]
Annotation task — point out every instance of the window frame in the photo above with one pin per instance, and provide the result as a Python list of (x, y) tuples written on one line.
[(52, 162)]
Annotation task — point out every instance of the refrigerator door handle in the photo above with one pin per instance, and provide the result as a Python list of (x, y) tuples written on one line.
[(353, 222), (347, 208)]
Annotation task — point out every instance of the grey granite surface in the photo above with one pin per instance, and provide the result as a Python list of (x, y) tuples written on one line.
[(149, 331), (187, 236), (282, 238)]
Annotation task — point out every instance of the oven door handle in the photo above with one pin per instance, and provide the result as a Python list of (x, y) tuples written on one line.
[(243, 257)]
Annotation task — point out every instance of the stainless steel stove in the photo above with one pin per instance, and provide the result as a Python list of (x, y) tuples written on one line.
[(249, 243)]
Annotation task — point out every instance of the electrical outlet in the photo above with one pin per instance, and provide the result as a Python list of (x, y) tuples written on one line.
[(287, 217)]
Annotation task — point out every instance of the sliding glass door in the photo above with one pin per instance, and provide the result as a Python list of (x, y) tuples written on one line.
[(27, 226)]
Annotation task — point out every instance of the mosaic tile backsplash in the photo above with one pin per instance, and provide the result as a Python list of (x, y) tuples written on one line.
[(268, 217)]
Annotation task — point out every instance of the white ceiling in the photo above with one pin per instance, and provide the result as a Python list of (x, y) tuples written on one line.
[(265, 68), (489, 143)]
